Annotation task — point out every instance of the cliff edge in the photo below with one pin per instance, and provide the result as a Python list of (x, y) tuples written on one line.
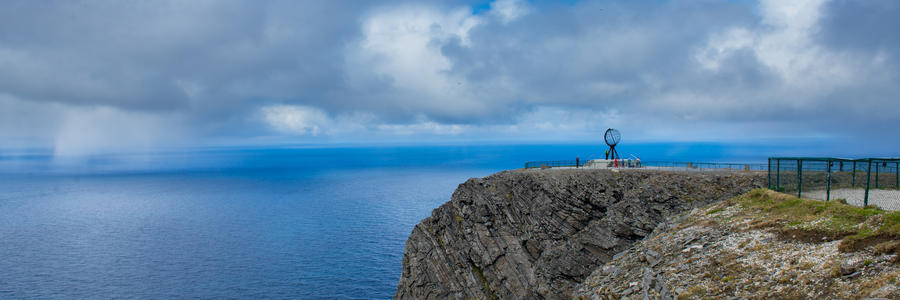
[(538, 234)]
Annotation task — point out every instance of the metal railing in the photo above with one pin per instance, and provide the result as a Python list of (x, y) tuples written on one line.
[(667, 165), (553, 164), (705, 165), (860, 182)]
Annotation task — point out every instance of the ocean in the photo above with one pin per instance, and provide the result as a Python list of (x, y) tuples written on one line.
[(279, 222)]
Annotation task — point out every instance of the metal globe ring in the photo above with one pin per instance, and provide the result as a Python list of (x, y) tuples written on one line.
[(612, 137)]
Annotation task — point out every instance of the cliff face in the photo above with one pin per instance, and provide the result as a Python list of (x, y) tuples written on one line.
[(537, 234)]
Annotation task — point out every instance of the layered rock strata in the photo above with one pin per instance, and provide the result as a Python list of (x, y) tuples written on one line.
[(537, 234)]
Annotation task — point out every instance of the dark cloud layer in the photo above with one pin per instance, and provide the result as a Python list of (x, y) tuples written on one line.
[(85, 75)]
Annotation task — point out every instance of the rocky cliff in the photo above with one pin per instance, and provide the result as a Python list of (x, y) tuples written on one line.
[(536, 234), (761, 245)]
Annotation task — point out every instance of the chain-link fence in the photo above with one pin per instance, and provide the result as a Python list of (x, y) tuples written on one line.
[(861, 182)]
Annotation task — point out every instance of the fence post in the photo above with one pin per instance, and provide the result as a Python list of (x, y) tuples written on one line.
[(876, 175), (828, 182), (769, 176), (853, 181), (799, 178), (777, 174), (897, 175), (868, 176)]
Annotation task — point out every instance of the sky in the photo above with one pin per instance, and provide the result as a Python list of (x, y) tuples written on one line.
[(81, 77)]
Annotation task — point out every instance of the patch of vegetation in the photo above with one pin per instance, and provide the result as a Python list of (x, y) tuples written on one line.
[(888, 247), (714, 211), (484, 283), (817, 221), (694, 292)]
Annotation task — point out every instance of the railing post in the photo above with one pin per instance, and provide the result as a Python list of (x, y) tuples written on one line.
[(828, 182), (799, 178), (897, 175), (876, 174), (853, 180), (868, 176), (769, 176), (777, 174)]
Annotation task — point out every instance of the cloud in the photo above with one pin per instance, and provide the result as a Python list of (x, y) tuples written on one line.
[(299, 120), (401, 48), (787, 47), (509, 10), (81, 77)]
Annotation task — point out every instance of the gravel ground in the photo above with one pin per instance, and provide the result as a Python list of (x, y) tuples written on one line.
[(886, 199)]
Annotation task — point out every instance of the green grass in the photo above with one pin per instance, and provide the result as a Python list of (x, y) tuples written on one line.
[(857, 226), (714, 211), (484, 283)]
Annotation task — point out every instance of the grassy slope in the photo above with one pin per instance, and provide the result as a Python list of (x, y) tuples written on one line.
[(808, 220)]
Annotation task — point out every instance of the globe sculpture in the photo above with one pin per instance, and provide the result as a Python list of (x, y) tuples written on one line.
[(612, 138)]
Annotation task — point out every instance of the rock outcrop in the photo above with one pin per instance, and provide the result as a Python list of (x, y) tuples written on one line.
[(537, 234), (762, 245)]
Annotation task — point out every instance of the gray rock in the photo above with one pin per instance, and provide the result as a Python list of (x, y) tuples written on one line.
[(652, 257), (549, 229), (848, 268), (647, 282), (661, 285), (610, 269)]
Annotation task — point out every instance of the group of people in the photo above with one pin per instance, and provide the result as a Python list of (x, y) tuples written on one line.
[(636, 163)]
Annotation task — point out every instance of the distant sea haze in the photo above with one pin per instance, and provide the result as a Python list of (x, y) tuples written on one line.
[(249, 223)]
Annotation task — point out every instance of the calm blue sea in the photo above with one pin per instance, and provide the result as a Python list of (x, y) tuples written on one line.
[(289, 222)]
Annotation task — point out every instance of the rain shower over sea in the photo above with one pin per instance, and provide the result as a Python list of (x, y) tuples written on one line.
[(301, 222)]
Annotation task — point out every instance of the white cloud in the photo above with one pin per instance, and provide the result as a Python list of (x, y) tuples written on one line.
[(426, 127), (361, 71), (403, 45), (786, 44), (311, 121), (509, 10), (297, 120)]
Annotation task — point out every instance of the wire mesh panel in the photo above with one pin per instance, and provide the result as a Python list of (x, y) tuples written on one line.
[(785, 176), (883, 189), (814, 177), (885, 175), (861, 182)]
